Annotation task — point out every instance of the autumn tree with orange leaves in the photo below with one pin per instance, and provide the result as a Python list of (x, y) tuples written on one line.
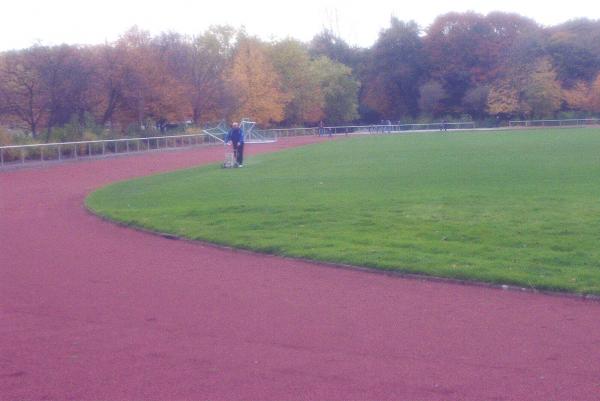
[(584, 96), (464, 65), (150, 91), (255, 84)]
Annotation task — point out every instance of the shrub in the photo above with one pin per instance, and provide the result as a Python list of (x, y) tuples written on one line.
[(5, 137)]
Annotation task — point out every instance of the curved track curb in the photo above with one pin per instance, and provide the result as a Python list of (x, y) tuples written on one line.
[(365, 269)]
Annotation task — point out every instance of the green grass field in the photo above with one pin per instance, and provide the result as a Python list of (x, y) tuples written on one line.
[(518, 207)]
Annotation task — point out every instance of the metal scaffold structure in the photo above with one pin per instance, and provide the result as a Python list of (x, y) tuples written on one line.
[(251, 133)]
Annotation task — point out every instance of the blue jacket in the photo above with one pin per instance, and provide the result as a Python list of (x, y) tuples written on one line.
[(235, 135)]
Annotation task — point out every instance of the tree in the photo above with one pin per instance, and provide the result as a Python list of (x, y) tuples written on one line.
[(499, 63), (584, 96), (475, 101), (67, 74), (519, 63), (210, 55), (431, 97), (395, 68), (572, 61), (43, 87), (534, 94), (578, 96), (594, 96), (507, 30), (25, 96), (467, 50), (575, 50), (503, 98), (340, 90), (542, 93), (256, 85), (335, 48), (455, 46), (108, 86), (148, 89), (299, 81)]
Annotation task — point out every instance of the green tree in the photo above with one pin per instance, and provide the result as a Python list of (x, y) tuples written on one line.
[(300, 82), (475, 101), (572, 61), (574, 48), (335, 48), (431, 98), (395, 68), (340, 89)]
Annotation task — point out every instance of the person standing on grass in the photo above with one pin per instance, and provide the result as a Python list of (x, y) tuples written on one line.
[(236, 136)]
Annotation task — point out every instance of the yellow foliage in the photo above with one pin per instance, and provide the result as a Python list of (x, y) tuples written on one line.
[(300, 82), (584, 96), (536, 92), (594, 96), (256, 85), (542, 93), (503, 98), (5, 138), (577, 97)]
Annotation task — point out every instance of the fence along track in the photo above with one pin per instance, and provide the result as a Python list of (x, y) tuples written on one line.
[(19, 155), (581, 122)]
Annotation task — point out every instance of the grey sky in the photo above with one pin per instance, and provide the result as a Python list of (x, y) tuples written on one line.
[(51, 22)]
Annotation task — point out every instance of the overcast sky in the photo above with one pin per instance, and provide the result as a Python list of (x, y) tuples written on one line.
[(51, 22)]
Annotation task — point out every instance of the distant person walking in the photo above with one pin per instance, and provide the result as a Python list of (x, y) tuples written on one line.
[(236, 136)]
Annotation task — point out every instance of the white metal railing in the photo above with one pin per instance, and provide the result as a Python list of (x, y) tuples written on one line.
[(21, 154), (44, 152), (362, 129), (573, 122)]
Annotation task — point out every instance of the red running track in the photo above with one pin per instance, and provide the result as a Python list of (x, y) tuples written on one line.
[(93, 311)]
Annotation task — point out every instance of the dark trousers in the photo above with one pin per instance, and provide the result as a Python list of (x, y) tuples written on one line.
[(238, 151)]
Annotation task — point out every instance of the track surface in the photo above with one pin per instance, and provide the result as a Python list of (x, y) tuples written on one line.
[(90, 310)]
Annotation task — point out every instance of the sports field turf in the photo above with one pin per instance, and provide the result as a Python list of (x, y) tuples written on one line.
[(518, 207)]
